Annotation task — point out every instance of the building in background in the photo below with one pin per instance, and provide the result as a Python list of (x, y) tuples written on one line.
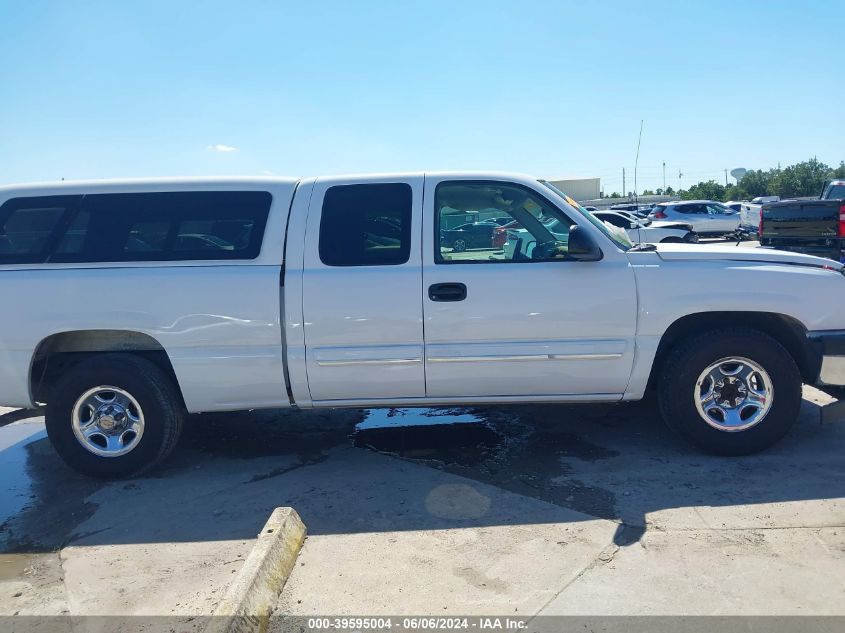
[(579, 189)]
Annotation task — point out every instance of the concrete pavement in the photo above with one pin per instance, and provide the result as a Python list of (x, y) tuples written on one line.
[(535, 509), (591, 514)]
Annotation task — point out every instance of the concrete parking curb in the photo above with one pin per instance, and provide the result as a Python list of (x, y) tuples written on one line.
[(253, 594)]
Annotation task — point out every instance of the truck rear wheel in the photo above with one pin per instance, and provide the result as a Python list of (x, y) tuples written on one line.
[(114, 415), (731, 391)]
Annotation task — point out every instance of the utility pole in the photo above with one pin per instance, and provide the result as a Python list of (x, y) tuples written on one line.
[(726, 177), (637, 162), (664, 176), (680, 175), (624, 191)]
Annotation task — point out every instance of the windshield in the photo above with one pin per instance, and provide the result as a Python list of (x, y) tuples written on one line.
[(616, 235), (835, 192)]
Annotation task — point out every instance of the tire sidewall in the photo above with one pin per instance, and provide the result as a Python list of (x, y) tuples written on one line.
[(114, 374), (678, 392)]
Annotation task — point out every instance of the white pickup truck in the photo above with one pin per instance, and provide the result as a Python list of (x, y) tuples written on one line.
[(128, 304)]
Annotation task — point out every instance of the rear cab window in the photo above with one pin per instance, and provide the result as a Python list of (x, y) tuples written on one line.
[(835, 191)]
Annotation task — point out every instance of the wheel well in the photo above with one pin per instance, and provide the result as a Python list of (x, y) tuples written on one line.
[(58, 353), (787, 331)]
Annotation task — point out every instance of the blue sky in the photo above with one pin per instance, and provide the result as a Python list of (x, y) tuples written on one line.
[(148, 88)]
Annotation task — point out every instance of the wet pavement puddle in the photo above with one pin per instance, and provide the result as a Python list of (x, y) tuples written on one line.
[(447, 435), (17, 489)]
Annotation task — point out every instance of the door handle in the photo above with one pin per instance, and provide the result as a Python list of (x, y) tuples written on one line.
[(451, 291)]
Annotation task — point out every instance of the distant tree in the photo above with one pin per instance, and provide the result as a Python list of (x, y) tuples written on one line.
[(736, 192), (710, 190), (615, 194), (756, 182), (801, 179), (839, 172), (669, 191), (648, 192), (658, 192)]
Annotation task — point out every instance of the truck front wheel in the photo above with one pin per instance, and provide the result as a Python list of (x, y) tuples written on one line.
[(731, 391), (114, 415)]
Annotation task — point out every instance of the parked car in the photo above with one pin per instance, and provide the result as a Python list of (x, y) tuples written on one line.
[(765, 199), (591, 208), (644, 231), (318, 305), (707, 217), (470, 235), (734, 204), (814, 226), (655, 223), (640, 210)]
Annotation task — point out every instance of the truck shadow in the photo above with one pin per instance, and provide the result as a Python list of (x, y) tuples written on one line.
[(350, 471)]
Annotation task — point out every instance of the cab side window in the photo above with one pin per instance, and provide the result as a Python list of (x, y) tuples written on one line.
[(366, 225), (491, 221)]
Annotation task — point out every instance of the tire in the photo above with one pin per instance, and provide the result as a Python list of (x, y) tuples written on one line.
[(672, 240), (159, 409), (459, 246), (678, 391)]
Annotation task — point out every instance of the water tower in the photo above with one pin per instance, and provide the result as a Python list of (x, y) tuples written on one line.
[(738, 173)]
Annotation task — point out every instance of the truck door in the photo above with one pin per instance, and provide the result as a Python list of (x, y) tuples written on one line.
[(524, 320), (361, 289)]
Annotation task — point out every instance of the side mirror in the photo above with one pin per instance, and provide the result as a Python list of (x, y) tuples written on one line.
[(582, 247), (633, 225)]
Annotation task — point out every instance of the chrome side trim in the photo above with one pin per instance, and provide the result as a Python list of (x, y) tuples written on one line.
[(520, 357), (368, 361), (468, 400), (585, 356)]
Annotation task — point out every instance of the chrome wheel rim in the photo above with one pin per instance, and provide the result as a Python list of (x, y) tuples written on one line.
[(108, 421), (733, 394), (459, 246)]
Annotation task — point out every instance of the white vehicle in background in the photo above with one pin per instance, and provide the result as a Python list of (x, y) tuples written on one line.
[(750, 212), (707, 217), (644, 231), (749, 215)]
